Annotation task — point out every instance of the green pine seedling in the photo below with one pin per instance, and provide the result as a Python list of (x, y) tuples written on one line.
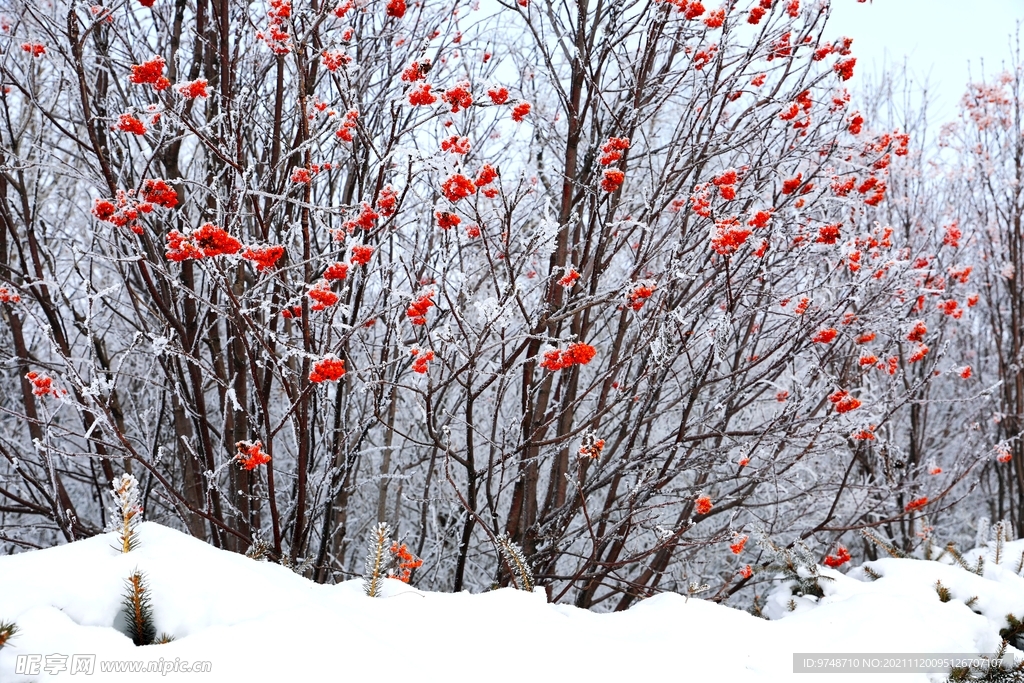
[(8, 629), (994, 670), (872, 574), (1014, 631), (978, 569), (889, 548), (138, 612)]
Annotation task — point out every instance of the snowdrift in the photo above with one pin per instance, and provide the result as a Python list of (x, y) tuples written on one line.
[(255, 621)]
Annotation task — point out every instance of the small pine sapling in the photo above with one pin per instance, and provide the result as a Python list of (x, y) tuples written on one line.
[(138, 611), (377, 560), (1000, 536), (943, 591), (259, 550), (978, 569), (998, 669), (696, 588), (300, 566), (757, 607), (889, 548), (796, 564), (126, 511), (872, 574), (960, 674), (515, 561), (8, 629), (1014, 631)]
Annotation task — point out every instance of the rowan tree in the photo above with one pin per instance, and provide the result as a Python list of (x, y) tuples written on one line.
[(591, 278)]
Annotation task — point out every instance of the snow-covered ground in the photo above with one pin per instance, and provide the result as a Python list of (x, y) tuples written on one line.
[(256, 621)]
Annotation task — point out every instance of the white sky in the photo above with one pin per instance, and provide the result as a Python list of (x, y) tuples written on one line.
[(938, 38)]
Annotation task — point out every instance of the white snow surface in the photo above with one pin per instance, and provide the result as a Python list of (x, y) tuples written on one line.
[(257, 621)]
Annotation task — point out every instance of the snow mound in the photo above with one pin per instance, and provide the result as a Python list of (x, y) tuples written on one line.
[(256, 621)]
